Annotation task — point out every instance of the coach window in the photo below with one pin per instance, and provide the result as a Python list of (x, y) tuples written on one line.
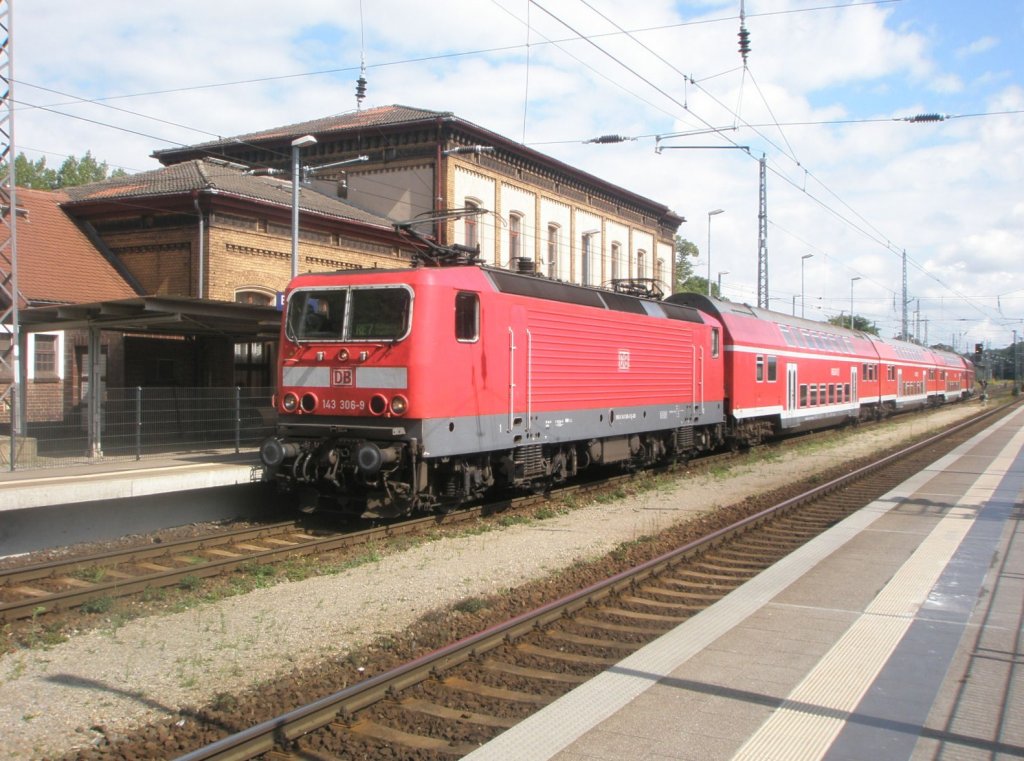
[(760, 368), (846, 390), (890, 372), (467, 316), (803, 394), (831, 393), (814, 395), (772, 371), (714, 343), (821, 393)]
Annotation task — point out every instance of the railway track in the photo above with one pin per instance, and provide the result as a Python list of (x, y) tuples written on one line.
[(60, 585), (36, 590), (446, 703)]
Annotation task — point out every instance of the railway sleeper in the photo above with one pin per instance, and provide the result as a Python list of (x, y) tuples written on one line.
[(429, 708), (527, 672), (384, 733)]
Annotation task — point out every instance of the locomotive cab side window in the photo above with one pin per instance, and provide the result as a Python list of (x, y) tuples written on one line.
[(772, 369), (467, 316), (759, 373)]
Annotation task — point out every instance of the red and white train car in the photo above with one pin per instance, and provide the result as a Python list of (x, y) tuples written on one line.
[(955, 376), (904, 372), (785, 373), (420, 388)]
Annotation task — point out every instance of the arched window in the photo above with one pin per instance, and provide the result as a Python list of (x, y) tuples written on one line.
[(586, 252), (470, 230), (553, 239), (253, 359), (252, 296), (616, 261), (515, 238)]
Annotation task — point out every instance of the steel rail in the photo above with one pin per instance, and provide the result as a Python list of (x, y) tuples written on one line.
[(262, 737)]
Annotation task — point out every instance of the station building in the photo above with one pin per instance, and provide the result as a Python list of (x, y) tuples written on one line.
[(408, 163), (175, 273)]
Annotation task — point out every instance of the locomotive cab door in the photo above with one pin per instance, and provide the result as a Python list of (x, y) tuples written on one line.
[(520, 399)]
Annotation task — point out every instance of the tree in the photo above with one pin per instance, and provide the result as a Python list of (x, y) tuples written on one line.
[(74, 171), (863, 324), (685, 281), (32, 174)]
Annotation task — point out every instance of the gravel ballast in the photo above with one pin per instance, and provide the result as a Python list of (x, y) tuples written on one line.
[(106, 681)]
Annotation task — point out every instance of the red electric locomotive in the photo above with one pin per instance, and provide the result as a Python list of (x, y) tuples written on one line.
[(418, 389)]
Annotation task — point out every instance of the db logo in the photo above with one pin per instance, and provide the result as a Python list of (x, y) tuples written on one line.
[(623, 359), (342, 376)]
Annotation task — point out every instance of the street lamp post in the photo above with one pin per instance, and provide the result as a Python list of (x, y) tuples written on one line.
[(803, 259), (297, 145), (852, 281), (724, 272), (710, 215)]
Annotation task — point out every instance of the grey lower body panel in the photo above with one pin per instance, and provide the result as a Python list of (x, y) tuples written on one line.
[(449, 436)]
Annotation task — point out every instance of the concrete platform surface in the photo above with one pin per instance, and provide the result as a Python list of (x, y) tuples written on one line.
[(894, 635)]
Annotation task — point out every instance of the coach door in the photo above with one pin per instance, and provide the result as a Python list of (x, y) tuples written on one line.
[(853, 386), (791, 386)]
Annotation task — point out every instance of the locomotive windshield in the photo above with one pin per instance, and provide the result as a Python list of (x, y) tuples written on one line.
[(376, 313)]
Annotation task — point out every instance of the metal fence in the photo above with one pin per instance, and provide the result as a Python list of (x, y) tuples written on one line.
[(143, 422)]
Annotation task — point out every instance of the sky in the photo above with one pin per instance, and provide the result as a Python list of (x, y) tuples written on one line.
[(825, 97)]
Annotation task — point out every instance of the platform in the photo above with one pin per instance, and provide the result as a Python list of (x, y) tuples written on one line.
[(118, 479), (894, 635), (40, 509)]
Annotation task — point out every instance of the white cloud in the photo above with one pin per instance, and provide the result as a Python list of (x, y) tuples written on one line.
[(978, 46), (944, 191)]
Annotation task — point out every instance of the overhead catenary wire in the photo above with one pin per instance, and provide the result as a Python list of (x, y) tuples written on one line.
[(879, 237)]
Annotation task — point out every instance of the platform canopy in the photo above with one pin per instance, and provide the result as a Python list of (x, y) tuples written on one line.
[(162, 315)]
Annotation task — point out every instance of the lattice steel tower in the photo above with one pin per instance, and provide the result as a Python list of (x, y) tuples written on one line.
[(762, 240), (11, 398)]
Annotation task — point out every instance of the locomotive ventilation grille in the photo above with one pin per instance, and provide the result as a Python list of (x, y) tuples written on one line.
[(684, 438), (530, 461)]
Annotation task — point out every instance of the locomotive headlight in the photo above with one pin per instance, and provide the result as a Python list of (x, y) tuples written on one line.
[(378, 404), (308, 402), (290, 402), (343, 355), (399, 404)]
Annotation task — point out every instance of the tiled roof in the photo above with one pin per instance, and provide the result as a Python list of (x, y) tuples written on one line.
[(57, 263), (371, 117), (198, 175), (274, 144)]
